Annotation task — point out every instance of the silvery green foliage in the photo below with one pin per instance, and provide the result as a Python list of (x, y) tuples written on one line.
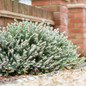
[(30, 47)]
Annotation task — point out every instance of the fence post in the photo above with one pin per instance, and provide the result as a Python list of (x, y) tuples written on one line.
[(59, 9), (77, 24)]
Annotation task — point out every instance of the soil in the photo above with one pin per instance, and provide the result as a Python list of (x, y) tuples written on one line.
[(12, 78)]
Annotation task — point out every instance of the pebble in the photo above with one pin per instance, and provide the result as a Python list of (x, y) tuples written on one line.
[(31, 78), (62, 78)]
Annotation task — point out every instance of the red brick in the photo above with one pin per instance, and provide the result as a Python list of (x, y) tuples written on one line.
[(62, 22), (81, 49), (64, 16), (78, 25), (71, 25), (56, 26), (85, 45), (64, 9), (60, 15), (52, 8), (81, 46), (57, 22), (79, 36), (78, 41), (73, 10), (84, 19), (1, 28), (71, 36), (40, 3), (84, 25), (76, 20), (79, 15), (63, 28), (71, 15), (82, 1), (76, 31), (55, 8), (56, 15), (76, 36), (59, 2), (84, 13), (84, 36)]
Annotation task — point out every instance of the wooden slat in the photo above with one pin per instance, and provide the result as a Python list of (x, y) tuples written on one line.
[(8, 14)]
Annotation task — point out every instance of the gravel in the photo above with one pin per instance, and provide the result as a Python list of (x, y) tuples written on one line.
[(73, 77)]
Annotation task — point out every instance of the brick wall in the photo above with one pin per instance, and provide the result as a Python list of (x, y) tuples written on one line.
[(77, 25), (77, 1), (68, 17), (59, 9)]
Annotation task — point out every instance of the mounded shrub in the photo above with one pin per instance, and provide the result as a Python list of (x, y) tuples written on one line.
[(27, 47)]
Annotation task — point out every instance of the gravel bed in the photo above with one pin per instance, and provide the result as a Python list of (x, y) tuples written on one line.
[(76, 77)]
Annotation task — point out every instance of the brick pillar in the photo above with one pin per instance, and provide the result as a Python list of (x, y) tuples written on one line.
[(59, 9), (77, 1), (77, 25)]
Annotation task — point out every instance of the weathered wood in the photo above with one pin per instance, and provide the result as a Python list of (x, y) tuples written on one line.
[(8, 14)]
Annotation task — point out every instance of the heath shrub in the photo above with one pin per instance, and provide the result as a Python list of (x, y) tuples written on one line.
[(27, 47)]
